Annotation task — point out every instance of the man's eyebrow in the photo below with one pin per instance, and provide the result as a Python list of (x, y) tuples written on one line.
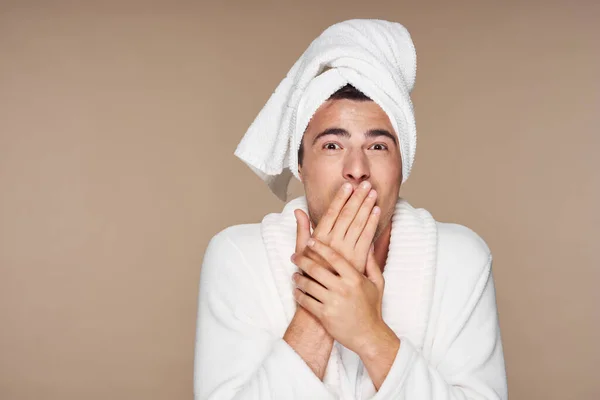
[(371, 133), (332, 131)]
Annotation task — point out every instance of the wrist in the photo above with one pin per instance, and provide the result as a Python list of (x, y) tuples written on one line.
[(307, 337), (383, 341), (304, 320)]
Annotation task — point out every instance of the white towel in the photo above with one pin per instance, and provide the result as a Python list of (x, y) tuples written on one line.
[(375, 56)]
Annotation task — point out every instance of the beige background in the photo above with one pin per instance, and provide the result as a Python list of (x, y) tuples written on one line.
[(118, 123)]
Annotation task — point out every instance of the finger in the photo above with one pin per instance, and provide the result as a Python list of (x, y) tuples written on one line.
[(361, 218), (310, 253), (310, 304), (303, 234), (302, 229), (368, 233), (350, 210), (311, 287), (328, 220), (333, 258), (373, 271), (316, 271)]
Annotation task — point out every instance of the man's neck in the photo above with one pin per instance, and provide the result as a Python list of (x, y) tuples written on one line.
[(382, 246)]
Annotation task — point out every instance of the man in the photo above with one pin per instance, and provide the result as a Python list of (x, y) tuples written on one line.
[(349, 292)]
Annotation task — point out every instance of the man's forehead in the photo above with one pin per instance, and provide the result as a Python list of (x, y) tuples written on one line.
[(348, 114)]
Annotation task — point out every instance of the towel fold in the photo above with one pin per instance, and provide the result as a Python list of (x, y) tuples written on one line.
[(375, 56)]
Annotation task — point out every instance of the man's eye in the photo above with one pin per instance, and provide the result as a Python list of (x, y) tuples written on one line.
[(379, 146), (331, 146)]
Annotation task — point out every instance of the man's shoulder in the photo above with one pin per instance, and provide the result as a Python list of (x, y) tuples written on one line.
[(244, 238), (235, 252), (463, 267), (462, 251), (241, 232)]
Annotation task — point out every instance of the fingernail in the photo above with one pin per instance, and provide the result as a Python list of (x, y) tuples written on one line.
[(310, 242), (372, 193), (365, 184), (346, 186), (376, 210), (293, 257)]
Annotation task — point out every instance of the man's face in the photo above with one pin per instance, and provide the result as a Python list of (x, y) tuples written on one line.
[(346, 141)]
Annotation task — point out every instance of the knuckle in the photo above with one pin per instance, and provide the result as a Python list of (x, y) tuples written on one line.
[(306, 286), (356, 223), (358, 263), (335, 243), (367, 217), (302, 281), (329, 310), (344, 291), (371, 224), (354, 282), (335, 305), (345, 251), (327, 239), (315, 274), (347, 212), (330, 213), (335, 257), (309, 269)]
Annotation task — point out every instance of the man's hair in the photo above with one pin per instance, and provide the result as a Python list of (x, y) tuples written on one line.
[(347, 92)]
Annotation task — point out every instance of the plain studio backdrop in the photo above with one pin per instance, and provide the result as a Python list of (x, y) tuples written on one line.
[(118, 122)]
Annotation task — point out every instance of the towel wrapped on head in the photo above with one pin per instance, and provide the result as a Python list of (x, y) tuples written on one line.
[(377, 57)]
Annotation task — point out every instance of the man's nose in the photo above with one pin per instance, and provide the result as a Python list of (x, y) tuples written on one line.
[(356, 168)]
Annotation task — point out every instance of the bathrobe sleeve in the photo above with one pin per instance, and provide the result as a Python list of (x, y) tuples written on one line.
[(462, 357), (236, 356)]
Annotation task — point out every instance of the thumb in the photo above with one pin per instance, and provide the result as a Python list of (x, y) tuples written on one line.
[(373, 270), (302, 229)]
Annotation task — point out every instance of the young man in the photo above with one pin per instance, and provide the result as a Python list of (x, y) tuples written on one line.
[(349, 292)]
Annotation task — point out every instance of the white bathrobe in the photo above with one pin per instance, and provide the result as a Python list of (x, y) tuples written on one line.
[(439, 299)]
